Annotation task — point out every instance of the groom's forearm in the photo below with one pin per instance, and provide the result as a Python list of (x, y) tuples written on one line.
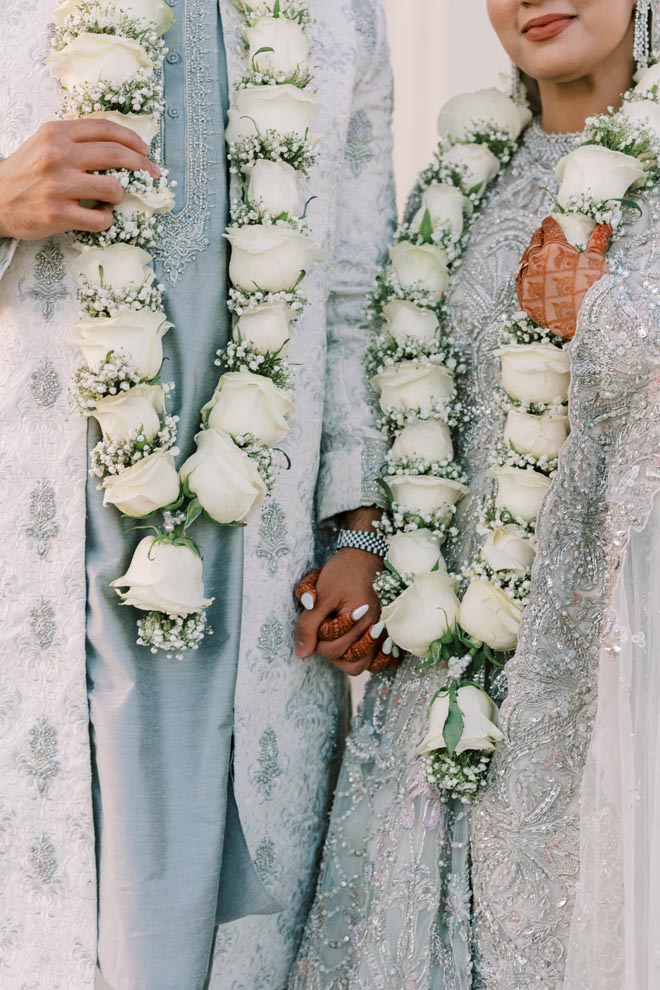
[(362, 518)]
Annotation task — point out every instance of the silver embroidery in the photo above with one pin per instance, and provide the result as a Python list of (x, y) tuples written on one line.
[(273, 536), (264, 857), (41, 761), (48, 286), (269, 763), (45, 385), (373, 457), (43, 528), (184, 234), (273, 640), (359, 139), (42, 624), (43, 861)]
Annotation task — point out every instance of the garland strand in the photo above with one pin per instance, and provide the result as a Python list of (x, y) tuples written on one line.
[(470, 622), (108, 58)]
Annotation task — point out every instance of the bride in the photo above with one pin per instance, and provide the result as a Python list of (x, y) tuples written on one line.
[(544, 878)]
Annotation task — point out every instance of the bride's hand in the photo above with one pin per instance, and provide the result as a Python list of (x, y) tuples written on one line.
[(43, 182), (554, 276), (341, 615)]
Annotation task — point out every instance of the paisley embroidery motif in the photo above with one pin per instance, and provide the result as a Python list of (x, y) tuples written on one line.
[(273, 641), (42, 624), (269, 763), (41, 761), (43, 861), (45, 385), (49, 285), (358, 143), (273, 536), (43, 527)]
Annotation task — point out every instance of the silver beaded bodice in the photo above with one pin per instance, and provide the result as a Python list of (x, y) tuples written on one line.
[(394, 906)]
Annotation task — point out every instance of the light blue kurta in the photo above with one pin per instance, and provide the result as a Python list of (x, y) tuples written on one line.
[(161, 729)]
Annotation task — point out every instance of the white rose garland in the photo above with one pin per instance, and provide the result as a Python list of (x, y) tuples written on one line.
[(108, 57), (475, 627)]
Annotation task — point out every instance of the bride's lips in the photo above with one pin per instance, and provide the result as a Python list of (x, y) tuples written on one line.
[(548, 26)]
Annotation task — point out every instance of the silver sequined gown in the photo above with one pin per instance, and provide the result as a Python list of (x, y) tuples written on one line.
[(418, 895)]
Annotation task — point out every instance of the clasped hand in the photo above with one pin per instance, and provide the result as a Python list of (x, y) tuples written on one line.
[(43, 184)]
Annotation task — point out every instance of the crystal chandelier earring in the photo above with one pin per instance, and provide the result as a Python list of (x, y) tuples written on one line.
[(516, 84), (642, 42)]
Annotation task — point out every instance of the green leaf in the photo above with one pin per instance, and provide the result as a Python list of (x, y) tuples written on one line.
[(383, 485), (454, 725), (193, 512), (261, 51), (393, 570), (286, 457), (426, 228), (276, 8), (185, 541)]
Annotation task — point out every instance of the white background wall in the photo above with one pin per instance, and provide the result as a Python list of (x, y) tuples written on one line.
[(439, 48)]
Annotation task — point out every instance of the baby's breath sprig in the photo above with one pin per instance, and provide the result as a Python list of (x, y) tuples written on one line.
[(94, 18), (238, 355), (113, 375), (241, 300), (172, 635), (421, 466), (96, 301), (114, 456), (292, 149), (142, 93), (506, 456)]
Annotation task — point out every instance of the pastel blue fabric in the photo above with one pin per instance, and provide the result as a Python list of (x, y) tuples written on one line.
[(172, 859)]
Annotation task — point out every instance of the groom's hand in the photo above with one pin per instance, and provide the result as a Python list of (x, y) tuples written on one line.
[(344, 601), (43, 182)]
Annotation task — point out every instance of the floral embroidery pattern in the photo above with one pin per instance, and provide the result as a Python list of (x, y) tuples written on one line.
[(273, 536), (48, 286), (359, 142)]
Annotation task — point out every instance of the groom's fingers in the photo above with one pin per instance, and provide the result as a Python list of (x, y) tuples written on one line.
[(98, 156), (89, 129), (80, 218)]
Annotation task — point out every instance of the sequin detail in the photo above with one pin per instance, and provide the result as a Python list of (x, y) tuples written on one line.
[(40, 762), (48, 286), (273, 536), (43, 527), (358, 142), (45, 385), (184, 233)]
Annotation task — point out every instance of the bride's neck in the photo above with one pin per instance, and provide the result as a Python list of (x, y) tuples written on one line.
[(566, 105)]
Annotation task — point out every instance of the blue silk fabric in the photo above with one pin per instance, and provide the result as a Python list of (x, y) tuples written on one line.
[(172, 859)]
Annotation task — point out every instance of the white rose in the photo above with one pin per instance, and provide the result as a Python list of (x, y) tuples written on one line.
[(146, 486), (411, 385), (90, 58), (597, 172), (422, 613), (139, 408), (520, 491), (535, 372), (446, 205), (145, 125), (225, 480), (420, 493), (155, 200), (115, 267), (288, 40), (269, 258), (155, 11), (257, 109), (488, 615), (477, 163), (163, 577), (486, 106), (647, 112), (136, 334), (247, 403), (274, 187), (428, 438), (506, 550), (539, 436), (647, 77), (480, 722), (415, 553), (577, 228), (404, 320), (266, 327), (423, 266)]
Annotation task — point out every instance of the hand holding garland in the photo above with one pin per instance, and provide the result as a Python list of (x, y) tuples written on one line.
[(107, 56)]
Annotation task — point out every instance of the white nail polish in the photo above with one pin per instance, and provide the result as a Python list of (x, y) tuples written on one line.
[(307, 601), (396, 652), (376, 630), (359, 613), (387, 646)]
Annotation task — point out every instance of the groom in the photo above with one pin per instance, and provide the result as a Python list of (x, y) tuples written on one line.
[(242, 734)]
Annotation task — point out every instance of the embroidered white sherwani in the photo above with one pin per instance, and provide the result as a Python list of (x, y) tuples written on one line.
[(288, 715)]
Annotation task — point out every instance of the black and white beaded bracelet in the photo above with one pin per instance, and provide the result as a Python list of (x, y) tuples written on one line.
[(359, 539)]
